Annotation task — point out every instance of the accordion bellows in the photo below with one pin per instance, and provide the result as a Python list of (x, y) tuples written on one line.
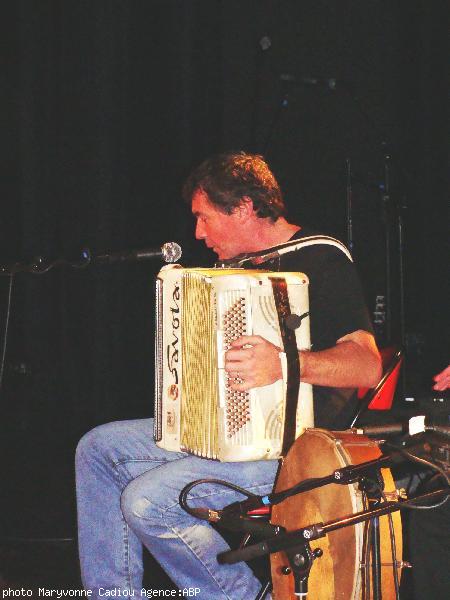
[(199, 312)]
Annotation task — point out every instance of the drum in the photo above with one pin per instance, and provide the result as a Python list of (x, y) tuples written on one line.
[(343, 569)]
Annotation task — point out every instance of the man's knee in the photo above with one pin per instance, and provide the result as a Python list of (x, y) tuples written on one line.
[(94, 443), (137, 507), (148, 506)]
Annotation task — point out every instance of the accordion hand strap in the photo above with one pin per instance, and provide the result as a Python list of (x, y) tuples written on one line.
[(281, 297)]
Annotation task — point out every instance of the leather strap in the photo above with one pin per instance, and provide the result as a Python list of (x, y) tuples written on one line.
[(289, 340)]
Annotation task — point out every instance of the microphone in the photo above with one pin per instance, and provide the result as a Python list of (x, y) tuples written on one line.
[(413, 426), (169, 252), (257, 527), (329, 82), (243, 506), (277, 543), (237, 522)]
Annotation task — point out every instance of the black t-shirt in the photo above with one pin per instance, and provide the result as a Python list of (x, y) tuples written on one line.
[(337, 307)]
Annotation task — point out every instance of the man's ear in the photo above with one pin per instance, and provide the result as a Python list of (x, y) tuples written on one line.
[(245, 208)]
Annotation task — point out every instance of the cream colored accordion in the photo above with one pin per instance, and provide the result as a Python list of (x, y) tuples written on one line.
[(199, 312)]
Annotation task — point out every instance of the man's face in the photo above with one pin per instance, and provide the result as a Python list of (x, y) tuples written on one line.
[(220, 232)]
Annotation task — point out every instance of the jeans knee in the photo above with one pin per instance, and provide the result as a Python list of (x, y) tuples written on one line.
[(151, 521), (94, 444), (136, 506), (84, 448), (149, 508)]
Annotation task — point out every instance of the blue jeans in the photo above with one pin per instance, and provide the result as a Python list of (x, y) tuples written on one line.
[(127, 495)]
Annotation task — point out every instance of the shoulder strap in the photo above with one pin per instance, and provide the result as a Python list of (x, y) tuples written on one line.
[(313, 240), (290, 246), (289, 341)]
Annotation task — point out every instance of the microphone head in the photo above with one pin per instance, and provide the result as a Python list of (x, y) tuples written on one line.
[(171, 252)]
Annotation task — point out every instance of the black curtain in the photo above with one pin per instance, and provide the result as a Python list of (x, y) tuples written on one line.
[(106, 107)]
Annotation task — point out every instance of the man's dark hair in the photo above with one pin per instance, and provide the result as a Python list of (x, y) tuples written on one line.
[(226, 178)]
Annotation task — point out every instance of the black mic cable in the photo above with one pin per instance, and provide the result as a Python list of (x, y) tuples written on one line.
[(205, 513), (231, 521)]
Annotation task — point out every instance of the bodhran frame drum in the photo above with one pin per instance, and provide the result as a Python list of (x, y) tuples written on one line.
[(340, 573)]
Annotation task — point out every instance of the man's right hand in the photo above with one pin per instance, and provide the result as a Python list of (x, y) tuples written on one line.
[(255, 361)]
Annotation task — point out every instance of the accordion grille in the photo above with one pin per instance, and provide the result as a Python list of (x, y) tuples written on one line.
[(237, 403), (199, 383)]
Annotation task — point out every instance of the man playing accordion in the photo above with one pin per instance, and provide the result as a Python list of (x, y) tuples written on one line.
[(128, 487)]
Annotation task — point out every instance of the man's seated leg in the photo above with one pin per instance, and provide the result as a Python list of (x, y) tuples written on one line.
[(185, 546), (120, 467), (107, 459)]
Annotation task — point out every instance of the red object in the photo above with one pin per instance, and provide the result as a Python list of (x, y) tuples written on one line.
[(259, 512), (392, 361)]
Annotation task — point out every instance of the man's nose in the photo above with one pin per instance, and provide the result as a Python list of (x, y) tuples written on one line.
[(199, 231)]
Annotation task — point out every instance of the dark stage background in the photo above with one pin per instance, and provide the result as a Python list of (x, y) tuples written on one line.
[(106, 105)]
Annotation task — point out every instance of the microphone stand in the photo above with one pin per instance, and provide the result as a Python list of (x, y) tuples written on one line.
[(40, 265), (401, 248), (169, 252), (390, 208), (393, 222), (386, 212), (296, 543), (349, 198)]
